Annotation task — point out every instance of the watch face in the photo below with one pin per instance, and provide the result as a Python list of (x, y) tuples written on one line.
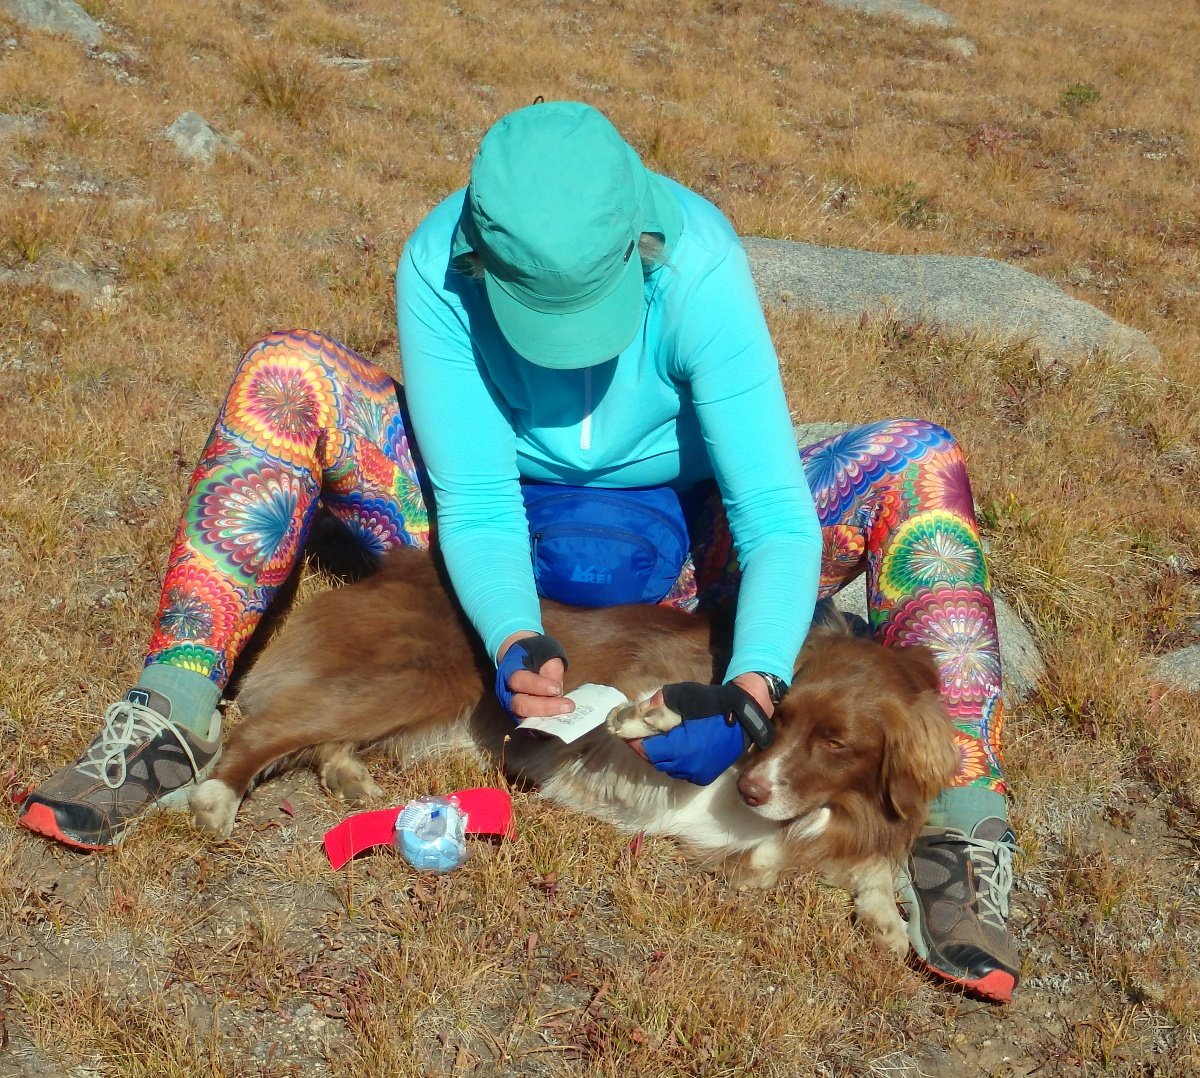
[(776, 687)]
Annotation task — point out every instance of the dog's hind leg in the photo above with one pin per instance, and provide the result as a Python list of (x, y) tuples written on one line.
[(260, 741), (344, 775)]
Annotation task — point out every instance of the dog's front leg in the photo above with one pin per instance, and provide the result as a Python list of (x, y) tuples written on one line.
[(214, 807), (759, 867), (873, 886), (630, 721)]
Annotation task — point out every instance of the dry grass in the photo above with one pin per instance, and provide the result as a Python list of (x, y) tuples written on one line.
[(1068, 146)]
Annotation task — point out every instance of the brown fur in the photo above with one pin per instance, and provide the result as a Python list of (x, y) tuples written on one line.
[(862, 733)]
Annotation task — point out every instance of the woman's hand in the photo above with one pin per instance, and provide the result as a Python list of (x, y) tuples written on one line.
[(711, 736), (529, 676)]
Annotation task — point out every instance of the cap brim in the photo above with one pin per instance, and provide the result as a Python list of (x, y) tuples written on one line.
[(579, 339)]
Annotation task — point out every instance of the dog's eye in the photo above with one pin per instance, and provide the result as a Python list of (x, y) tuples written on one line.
[(834, 743)]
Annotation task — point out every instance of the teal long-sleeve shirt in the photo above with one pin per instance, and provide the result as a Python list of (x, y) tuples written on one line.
[(696, 395)]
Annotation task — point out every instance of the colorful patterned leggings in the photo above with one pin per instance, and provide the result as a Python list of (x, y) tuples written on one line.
[(307, 421)]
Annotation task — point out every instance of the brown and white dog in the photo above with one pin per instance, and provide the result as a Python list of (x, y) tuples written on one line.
[(862, 743)]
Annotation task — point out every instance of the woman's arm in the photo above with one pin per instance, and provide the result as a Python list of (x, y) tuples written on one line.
[(725, 352), (469, 451)]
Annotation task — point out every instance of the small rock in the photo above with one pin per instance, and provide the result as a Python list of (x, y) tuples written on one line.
[(347, 63), (808, 433), (71, 279), (962, 47), (66, 279), (195, 139), (18, 126)]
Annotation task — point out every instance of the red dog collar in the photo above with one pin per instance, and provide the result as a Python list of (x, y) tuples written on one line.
[(489, 812)]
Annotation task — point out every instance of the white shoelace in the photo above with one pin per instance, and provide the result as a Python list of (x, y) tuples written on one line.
[(993, 863), (126, 724)]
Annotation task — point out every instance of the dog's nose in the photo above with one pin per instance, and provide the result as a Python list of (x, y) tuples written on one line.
[(754, 791)]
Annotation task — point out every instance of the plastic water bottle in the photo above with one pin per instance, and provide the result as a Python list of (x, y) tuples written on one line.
[(431, 834)]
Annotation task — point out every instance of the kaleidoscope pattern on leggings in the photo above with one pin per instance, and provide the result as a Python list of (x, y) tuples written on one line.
[(894, 500), (304, 419), (973, 760), (843, 470), (376, 521), (942, 481), (843, 550), (930, 549), (280, 403), (991, 727), (958, 626), (248, 517)]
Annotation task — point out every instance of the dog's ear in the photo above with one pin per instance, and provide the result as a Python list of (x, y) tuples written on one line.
[(919, 669), (816, 646), (919, 755)]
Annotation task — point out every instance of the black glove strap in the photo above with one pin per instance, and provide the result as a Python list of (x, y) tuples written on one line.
[(690, 700), (754, 722), (539, 650)]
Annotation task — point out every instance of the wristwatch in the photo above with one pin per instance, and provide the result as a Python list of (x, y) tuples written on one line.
[(776, 687)]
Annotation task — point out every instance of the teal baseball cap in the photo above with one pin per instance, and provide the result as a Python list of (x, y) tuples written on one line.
[(556, 205)]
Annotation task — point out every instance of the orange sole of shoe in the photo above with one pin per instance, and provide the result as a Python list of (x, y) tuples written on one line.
[(41, 820), (996, 987)]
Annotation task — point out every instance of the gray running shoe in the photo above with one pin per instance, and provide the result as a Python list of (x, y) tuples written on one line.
[(140, 760), (955, 896)]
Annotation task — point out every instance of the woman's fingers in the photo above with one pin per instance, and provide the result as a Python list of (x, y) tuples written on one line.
[(539, 694)]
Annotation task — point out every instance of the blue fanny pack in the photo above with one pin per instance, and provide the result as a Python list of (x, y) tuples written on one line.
[(594, 547)]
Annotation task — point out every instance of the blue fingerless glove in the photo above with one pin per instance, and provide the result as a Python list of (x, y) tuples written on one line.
[(531, 653), (719, 722)]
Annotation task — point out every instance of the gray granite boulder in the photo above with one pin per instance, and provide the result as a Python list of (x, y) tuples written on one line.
[(908, 10), (1022, 662), (960, 293), (1180, 669), (57, 17)]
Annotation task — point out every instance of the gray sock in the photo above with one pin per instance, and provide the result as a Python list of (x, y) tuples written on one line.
[(193, 696), (964, 806)]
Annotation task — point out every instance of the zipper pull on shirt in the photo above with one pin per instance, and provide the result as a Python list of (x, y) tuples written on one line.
[(585, 428)]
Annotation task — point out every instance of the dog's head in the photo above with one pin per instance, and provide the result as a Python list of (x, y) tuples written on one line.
[(863, 728)]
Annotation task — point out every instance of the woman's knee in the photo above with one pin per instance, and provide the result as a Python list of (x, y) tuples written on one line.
[(304, 376), (922, 432), (298, 348)]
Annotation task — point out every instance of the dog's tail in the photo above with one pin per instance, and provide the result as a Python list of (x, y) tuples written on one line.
[(827, 615)]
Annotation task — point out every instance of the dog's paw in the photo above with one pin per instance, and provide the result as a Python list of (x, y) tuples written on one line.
[(757, 868), (890, 936), (630, 721), (214, 808), (348, 779), (746, 877), (874, 888)]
